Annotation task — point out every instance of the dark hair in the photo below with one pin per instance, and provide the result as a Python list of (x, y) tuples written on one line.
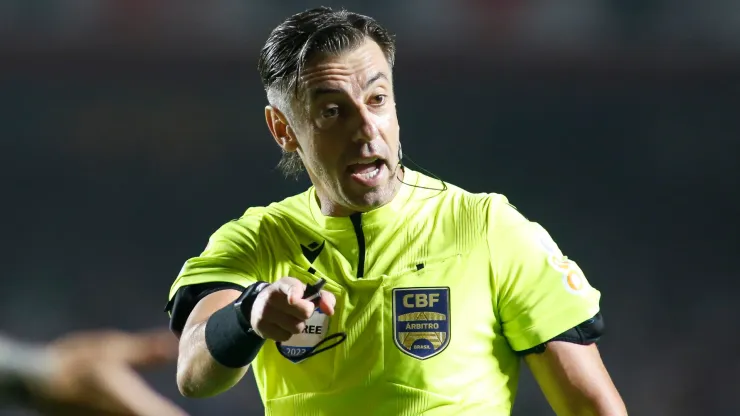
[(292, 43)]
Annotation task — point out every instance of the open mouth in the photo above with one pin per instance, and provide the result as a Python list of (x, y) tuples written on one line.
[(367, 172)]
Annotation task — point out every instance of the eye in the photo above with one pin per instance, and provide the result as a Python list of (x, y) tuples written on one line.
[(378, 99), (330, 112)]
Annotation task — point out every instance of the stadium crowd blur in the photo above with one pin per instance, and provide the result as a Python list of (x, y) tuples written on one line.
[(131, 129)]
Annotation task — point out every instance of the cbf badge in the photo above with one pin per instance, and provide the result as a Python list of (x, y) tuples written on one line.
[(301, 346), (421, 320)]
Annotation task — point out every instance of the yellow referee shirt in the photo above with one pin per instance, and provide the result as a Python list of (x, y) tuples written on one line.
[(435, 291)]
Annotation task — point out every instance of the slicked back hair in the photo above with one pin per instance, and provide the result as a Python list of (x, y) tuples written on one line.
[(299, 38)]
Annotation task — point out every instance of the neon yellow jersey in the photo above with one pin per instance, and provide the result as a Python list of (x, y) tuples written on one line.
[(435, 291)]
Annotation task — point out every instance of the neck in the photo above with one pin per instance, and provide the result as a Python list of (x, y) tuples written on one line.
[(331, 208)]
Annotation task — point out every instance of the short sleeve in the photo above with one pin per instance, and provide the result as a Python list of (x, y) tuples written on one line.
[(541, 293), (233, 255)]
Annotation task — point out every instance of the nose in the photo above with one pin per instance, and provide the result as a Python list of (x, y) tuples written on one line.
[(367, 129)]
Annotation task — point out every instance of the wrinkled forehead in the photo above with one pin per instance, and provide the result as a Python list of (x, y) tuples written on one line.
[(351, 71)]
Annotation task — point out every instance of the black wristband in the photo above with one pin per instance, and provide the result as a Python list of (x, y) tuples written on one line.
[(229, 336)]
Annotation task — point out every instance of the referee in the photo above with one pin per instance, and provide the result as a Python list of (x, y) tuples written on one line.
[(379, 290)]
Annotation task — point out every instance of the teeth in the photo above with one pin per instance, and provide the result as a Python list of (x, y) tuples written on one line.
[(370, 175)]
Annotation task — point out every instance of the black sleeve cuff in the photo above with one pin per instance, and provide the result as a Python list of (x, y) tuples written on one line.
[(585, 333), (184, 301)]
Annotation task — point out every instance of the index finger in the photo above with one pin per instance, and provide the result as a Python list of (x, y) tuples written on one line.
[(327, 302), (292, 288)]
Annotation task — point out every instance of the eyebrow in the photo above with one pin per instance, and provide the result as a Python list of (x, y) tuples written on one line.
[(326, 90), (374, 78)]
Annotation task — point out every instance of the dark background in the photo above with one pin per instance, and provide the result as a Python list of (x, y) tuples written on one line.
[(131, 129)]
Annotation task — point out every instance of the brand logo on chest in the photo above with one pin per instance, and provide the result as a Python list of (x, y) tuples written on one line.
[(312, 251)]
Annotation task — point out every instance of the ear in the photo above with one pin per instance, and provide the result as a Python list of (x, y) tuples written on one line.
[(280, 129)]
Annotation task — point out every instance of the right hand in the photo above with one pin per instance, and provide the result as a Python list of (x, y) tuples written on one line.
[(279, 312)]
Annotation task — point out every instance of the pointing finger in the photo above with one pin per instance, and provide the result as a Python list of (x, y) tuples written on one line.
[(327, 303), (292, 288)]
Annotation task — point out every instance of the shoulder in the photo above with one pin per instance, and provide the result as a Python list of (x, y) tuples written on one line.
[(491, 214), (502, 214), (259, 222), (292, 208), (487, 208), (474, 214)]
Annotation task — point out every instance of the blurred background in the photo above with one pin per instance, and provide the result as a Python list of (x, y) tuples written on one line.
[(131, 129)]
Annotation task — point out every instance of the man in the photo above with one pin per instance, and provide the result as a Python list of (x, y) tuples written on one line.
[(432, 294), (86, 373)]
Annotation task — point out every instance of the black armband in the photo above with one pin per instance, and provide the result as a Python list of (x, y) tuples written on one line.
[(185, 299), (229, 335), (586, 333)]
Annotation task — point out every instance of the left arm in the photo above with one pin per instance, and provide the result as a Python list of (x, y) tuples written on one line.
[(550, 314), (574, 380)]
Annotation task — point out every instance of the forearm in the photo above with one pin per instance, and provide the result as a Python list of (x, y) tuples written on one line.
[(198, 373), (567, 403), (575, 381)]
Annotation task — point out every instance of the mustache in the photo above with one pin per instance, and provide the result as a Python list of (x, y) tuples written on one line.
[(370, 151)]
